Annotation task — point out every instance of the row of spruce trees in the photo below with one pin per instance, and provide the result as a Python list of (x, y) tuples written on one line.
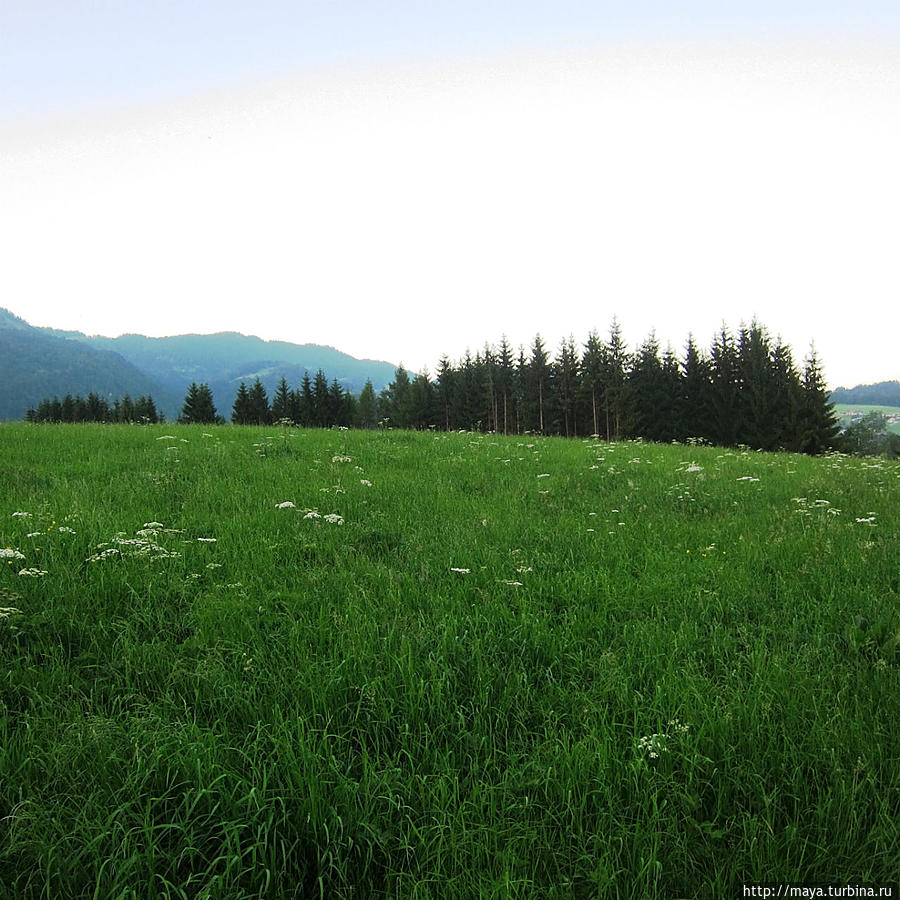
[(746, 389), (95, 408)]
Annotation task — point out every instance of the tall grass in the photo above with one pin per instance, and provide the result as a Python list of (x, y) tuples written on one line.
[(514, 667)]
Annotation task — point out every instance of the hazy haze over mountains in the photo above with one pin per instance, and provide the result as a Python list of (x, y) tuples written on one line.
[(41, 362)]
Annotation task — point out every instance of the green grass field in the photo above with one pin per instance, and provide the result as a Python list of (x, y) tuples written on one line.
[(458, 666)]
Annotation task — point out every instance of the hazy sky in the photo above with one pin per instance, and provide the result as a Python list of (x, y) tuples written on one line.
[(403, 180)]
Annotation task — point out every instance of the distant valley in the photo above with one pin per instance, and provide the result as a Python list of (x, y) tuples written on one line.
[(45, 362)]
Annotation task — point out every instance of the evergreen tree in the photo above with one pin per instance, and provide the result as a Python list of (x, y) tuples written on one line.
[(644, 390), (259, 404), (241, 412), (367, 407), (394, 400), (145, 410), (818, 427), (756, 397), (592, 377), (725, 407), (536, 384), (505, 376), (696, 389), (565, 386), (786, 398), (615, 361), (319, 411), (307, 402), (198, 408), (446, 394), (281, 403), (422, 407)]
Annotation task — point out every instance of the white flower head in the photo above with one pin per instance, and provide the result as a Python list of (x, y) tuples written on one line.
[(207, 540), (9, 553), (461, 571), (33, 573), (285, 505), (312, 514), (334, 519), (28, 515)]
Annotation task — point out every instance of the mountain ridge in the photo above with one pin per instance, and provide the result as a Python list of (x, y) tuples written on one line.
[(162, 366)]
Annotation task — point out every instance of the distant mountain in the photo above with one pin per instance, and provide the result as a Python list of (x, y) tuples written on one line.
[(166, 366), (884, 393), (34, 365)]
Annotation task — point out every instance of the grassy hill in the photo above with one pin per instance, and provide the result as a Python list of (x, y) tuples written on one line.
[(249, 663)]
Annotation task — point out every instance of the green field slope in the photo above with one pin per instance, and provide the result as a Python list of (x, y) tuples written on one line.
[(252, 663)]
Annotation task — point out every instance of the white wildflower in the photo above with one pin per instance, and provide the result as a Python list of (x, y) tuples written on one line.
[(27, 515), (312, 514), (544, 475), (513, 583), (340, 458), (152, 525), (33, 573), (747, 478), (286, 504), (65, 529), (365, 481), (9, 553), (34, 534), (653, 745), (334, 519), (461, 571), (207, 540), (7, 612)]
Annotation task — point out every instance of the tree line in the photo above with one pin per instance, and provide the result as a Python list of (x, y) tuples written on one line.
[(95, 408), (746, 389)]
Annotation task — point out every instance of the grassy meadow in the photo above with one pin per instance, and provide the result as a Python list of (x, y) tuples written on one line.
[(459, 665)]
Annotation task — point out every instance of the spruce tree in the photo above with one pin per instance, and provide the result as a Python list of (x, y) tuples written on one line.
[(696, 394), (818, 427), (592, 377), (725, 390), (198, 408), (565, 386), (319, 411), (446, 394), (367, 407), (241, 411), (615, 361), (281, 403), (259, 404)]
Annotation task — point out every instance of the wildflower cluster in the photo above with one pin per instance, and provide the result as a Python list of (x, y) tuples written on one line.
[(652, 746), (142, 545)]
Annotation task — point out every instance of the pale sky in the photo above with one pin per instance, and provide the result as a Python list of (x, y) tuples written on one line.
[(405, 180)]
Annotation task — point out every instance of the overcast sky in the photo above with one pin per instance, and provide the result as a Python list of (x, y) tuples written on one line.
[(405, 180)]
